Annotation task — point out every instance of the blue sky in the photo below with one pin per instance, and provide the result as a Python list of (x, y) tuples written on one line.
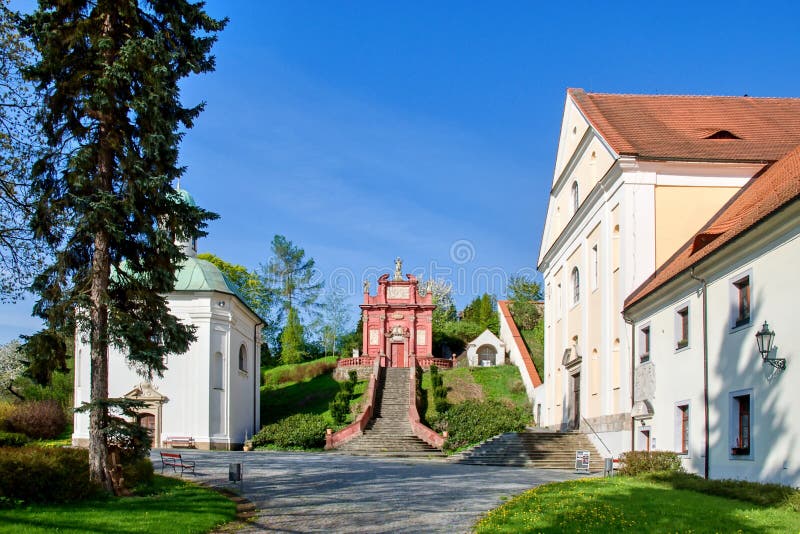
[(367, 130)]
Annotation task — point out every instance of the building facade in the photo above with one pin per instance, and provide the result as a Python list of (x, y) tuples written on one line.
[(211, 393), (635, 177), (397, 320), (701, 386)]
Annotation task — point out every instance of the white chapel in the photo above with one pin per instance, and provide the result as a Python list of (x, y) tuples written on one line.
[(208, 397)]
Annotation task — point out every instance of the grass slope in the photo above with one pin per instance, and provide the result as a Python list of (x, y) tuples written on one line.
[(502, 383), (626, 504), (312, 395), (175, 506)]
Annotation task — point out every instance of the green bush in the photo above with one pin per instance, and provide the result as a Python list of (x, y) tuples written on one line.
[(303, 431), (440, 402), (13, 439), (441, 405), (473, 421), (638, 462), (6, 409), (340, 405), (138, 472), (38, 419), (742, 490), (37, 475)]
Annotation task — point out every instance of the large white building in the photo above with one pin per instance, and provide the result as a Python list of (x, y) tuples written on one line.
[(701, 386), (635, 177), (211, 393)]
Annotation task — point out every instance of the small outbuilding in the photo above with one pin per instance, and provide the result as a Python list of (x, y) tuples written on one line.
[(486, 350)]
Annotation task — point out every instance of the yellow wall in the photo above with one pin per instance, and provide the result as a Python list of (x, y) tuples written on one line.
[(681, 211)]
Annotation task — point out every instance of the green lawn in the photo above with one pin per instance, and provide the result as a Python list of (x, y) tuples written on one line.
[(174, 506), (501, 382), (627, 504), (308, 396)]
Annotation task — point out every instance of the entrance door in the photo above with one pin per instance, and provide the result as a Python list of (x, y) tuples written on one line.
[(398, 355), (148, 422), (576, 400)]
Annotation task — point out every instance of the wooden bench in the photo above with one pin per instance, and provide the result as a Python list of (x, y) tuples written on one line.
[(174, 460), (180, 441)]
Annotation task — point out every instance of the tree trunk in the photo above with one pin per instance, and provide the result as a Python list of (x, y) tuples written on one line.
[(99, 467)]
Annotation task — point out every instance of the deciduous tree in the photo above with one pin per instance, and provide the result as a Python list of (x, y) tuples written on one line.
[(20, 254), (109, 72), (524, 294)]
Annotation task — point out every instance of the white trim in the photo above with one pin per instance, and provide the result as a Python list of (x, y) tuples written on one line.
[(733, 292), (684, 305), (733, 424)]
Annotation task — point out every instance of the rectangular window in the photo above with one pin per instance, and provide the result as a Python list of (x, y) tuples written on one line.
[(742, 301), (682, 328), (741, 425), (644, 343), (683, 414)]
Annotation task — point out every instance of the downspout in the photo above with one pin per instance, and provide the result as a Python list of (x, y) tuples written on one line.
[(633, 381), (256, 372), (705, 369)]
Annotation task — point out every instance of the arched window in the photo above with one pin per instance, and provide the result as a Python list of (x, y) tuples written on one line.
[(576, 285), (486, 356), (242, 358), (575, 197)]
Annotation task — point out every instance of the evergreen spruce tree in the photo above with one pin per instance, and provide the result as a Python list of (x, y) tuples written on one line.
[(105, 202), (292, 339)]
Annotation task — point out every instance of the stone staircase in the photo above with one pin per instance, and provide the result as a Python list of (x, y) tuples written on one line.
[(532, 448), (389, 432)]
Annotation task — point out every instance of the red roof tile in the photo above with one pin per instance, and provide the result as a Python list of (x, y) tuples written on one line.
[(523, 349), (763, 195), (679, 127)]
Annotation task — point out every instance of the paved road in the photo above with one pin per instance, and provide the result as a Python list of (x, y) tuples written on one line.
[(318, 492)]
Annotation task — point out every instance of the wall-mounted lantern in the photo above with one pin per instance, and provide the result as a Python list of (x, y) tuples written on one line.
[(764, 340)]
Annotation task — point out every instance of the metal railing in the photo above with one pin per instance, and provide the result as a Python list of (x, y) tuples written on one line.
[(597, 435)]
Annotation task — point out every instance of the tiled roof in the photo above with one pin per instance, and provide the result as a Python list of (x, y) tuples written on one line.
[(523, 349), (694, 128), (763, 195)]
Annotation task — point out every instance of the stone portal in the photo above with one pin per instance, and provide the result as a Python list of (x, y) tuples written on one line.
[(397, 320)]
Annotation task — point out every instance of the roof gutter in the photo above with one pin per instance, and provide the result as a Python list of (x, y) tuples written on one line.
[(705, 370)]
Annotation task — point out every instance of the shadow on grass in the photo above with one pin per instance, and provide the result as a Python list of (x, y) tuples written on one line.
[(174, 507), (630, 505)]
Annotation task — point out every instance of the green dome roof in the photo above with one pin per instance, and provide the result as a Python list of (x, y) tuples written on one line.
[(201, 275), (186, 198)]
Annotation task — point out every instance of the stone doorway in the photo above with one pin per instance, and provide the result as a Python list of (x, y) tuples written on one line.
[(398, 355), (148, 422), (576, 401)]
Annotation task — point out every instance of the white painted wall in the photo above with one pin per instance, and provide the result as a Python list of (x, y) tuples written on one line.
[(223, 325), (770, 254), (486, 338)]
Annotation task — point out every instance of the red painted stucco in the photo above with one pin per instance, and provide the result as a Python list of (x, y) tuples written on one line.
[(397, 321)]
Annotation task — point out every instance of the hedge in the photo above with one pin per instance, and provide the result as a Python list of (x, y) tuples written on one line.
[(473, 421), (638, 462), (38, 475), (302, 430)]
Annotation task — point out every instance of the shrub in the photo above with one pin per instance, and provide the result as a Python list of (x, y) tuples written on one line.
[(304, 431), (38, 419), (638, 462), (296, 373), (473, 421), (138, 472), (743, 490), (340, 405), (12, 439), (440, 402), (6, 409), (37, 475)]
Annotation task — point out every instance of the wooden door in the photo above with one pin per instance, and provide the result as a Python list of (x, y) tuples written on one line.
[(148, 422), (398, 355), (576, 401)]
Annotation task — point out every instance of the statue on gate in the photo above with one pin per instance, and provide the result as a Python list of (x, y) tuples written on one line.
[(398, 269)]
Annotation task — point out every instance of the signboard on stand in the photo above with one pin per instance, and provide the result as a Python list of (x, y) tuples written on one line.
[(582, 461)]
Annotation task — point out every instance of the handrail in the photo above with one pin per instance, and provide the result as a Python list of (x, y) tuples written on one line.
[(597, 435)]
